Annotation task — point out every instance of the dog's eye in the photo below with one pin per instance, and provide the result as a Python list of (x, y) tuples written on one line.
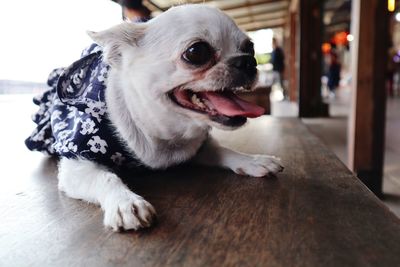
[(198, 53), (248, 48)]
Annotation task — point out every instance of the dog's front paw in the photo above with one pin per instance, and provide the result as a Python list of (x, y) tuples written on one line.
[(128, 212), (259, 166)]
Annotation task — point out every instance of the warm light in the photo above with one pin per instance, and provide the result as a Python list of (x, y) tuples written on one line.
[(350, 37), (397, 16), (340, 38), (326, 48), (391, 5)]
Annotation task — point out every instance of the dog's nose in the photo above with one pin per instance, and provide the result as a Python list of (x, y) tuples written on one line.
[(244, 63)]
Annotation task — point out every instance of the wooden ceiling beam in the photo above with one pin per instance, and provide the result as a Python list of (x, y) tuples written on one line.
[(333, 4), (257, 25), (242, 11), (227, 5), (222, 4), (260, 17), (257, 9), (169, 3), (294, 5)]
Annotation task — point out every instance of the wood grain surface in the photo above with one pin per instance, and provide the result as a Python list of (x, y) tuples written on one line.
[(315, 213)]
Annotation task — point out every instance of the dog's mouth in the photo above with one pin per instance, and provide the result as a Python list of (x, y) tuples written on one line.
[(221, 106)]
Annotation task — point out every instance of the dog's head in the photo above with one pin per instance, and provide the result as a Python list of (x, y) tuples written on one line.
[(191, 59)]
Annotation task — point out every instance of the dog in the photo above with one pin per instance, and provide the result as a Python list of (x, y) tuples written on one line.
[(146, 96)]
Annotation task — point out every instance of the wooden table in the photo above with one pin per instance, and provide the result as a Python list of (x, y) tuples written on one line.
[(316, 213)]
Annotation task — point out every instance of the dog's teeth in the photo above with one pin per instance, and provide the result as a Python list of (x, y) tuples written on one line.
[(197, 101)]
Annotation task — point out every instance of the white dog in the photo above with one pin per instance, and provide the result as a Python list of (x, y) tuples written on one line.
[(168, 81)]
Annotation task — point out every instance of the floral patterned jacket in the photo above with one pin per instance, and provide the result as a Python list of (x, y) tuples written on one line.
[(72, 118)]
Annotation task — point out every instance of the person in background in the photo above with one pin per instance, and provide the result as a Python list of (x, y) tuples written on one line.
[(333, 73), (391, 68), (134, 10), (278, 65)]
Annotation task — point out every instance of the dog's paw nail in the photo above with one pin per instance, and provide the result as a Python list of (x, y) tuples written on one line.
[(130, 213), (260, 166)]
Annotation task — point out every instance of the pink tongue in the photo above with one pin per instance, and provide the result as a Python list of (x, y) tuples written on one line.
[(230, 105)]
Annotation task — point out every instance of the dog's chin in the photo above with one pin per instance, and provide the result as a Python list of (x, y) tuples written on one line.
[(227, 123), (219, 108)]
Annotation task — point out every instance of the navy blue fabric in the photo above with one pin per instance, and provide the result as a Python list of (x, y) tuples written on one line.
[(72, 118)]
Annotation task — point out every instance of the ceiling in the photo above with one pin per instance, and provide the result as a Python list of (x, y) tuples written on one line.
[(250, 15), (337, 16)]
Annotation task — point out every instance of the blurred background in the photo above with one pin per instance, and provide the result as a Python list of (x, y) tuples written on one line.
[(335, 64)]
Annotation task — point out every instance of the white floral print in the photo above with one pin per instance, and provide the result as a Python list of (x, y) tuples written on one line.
[(88, 127), (60, 126), (56, 115), (97, 145), (96, 109), (39, 136), (72, 147), (72, 112), (64, 134)]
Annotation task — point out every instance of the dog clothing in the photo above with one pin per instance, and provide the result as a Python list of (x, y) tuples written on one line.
[(72, 120)]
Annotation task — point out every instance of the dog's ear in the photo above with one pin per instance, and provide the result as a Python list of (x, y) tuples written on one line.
[(114, 39)]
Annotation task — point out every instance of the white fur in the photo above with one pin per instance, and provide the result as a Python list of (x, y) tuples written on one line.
[(146, 64), (123, 209), (212, 154)]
